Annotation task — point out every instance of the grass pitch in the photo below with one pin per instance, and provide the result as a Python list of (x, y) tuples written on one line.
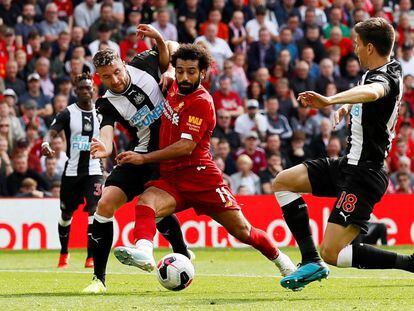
[(233, 279)]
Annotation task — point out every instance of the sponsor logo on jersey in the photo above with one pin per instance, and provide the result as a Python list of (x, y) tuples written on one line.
[(356, 110), (145, 117), (170, 114), (80, 142), (195, 121)]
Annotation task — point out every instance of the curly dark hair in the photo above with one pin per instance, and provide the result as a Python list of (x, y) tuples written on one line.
[(105, 57), (82, 76), (193, 52)]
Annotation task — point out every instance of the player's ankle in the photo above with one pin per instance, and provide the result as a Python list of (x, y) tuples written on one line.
[(145, 245)]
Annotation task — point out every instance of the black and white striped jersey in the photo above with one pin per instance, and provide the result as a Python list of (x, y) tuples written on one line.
[(79, 127), (372, 126), (140, 107)]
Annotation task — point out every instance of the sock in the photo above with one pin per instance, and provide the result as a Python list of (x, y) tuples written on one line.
[(296, 215), (261, 241), (64, 229), (90, 243), (366, 256), (102, 236), (170, 228), (144, 223)]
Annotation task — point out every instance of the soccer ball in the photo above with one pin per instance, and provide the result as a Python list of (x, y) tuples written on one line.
[(175, 272)]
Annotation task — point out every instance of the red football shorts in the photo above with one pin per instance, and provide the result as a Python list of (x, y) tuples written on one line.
[(201, 188)]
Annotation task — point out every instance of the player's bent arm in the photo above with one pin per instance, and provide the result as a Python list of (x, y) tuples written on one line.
[(183, 147), (106, 136), (359, 94)]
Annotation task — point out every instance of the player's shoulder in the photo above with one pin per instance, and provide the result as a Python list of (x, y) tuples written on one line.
[(202, 97), (102, 103), (392, 71)]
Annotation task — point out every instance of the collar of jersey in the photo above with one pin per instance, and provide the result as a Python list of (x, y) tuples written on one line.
[(79, 108)]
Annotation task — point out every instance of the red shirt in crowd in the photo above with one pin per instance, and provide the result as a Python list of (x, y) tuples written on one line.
[(126, 45), (258, 158), (222, 30), (346, 46)]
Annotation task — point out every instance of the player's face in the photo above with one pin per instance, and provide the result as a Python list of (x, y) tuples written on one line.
[(114, 76), (188, 75), (84, 90), (362, 51)]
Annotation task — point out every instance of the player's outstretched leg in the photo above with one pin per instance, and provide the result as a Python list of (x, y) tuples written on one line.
[(295, 212), (238, 226), (170, 229), (89, 256), (64, 230)]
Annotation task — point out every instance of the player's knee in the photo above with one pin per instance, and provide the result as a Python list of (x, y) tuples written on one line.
[(106, 207), (280, 183), (329, 255)]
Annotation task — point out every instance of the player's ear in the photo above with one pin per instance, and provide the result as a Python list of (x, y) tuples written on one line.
[(370, 48), (203, 74)]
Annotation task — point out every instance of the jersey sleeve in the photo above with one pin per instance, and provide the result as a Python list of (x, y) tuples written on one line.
[(196, 120), (148, 61), (60, 121), (106, 115), (384, 79)]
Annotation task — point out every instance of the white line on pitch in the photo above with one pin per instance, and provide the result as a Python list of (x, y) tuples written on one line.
[(201, 274)]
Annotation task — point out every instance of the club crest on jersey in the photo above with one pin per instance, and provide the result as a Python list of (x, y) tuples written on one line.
[(87, 127), (178, 108), (139, 98)]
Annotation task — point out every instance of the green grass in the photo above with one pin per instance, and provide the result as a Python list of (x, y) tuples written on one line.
[(225, 279)]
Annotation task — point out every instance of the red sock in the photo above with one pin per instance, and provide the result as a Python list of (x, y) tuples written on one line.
[(261, 241), (144, 223)]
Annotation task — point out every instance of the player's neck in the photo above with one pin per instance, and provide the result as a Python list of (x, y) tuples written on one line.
[(85, 105), (377, 62)]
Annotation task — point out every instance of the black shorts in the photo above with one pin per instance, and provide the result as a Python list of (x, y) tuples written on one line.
[(74, 190), (131, 179), (357, 189)]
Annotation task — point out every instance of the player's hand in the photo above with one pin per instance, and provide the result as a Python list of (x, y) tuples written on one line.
[(146, 30), (313, 99), (47, 151), (130, 157), (98, 149), (338, 116), (167, 78)]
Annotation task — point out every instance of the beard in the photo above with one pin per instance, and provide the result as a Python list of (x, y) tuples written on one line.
[(187, 88)]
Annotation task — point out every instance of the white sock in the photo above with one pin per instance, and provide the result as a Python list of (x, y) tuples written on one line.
[(102, 219), (145, 245), (64, 223), (345, 257), (286, 197)]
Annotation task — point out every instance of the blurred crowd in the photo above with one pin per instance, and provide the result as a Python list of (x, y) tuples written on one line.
[(265, 53)]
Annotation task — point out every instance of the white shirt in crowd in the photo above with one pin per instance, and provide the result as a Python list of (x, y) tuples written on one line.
[(219, 49)]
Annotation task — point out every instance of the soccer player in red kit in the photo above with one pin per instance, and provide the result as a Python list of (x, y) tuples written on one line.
[(189, 177)]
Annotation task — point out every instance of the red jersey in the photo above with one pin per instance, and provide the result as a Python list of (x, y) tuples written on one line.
[(190, 117)]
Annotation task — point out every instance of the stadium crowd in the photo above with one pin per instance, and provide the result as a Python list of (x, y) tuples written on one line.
[(265, 53)]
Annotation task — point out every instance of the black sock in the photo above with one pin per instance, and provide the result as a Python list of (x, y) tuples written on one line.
[(297, 219), (366, 256), (170, 228), (64, 238), (89, 255), (102, 236)]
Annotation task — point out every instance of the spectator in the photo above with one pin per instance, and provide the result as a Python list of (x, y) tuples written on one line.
[(308, 55), (351, 76), (404, 164), (55, 191), (312, 39), (117, 9), (163, 25), (286, 42), (263, 77), (64, 87), (311, 13), (319, 144), (33, 46), (293, 24), (214, 17), (51, 26), (237, 33), (218, 47), (28, 189), (255, 91), (252, 149), (163, 4), (27, 25), (6, 165), (78, 38), (251, 120), (11, 99), (65, 11), (132, 42), (9, 12), (34, 92), (237, 84), (407, 59), (60, 156), (278, 124), (15, 127), (326, 75), (21, 60), (254, 26), (188, 32), (335, 18), (106, 17), (285, 61), (284, 10), (42, 67), (237, 5), (22, 171), (86, 13), (274, 167), (224, 152), (404, 184), (302, 81), (336, 39), (225, 98), (304, 123), (50, 174), (221, 166), (333, 149), (104, 35), (297, 151), (359, 15), (12, 81), (261, 53), (34, 147), (30, 115), (245, 178), (190, 6), (6, 134), (224, 131)]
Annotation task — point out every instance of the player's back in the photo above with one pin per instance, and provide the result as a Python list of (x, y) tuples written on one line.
[(79, 127), (372, 124), (190, 117)]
